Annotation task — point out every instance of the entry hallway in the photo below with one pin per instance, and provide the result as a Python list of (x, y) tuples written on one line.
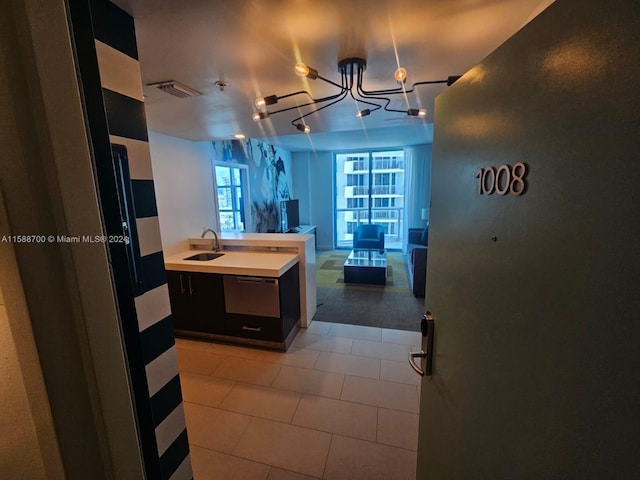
[(342, 403)]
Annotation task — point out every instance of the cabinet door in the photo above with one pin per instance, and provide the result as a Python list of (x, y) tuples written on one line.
[(180, 299), (197, 301), (207, 302)]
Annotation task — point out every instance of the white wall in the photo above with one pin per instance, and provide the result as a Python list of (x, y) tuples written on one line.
[(319, 184), (301, 185), (184, 189)]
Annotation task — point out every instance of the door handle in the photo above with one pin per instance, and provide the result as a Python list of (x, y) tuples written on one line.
[(416, 368), (427, 326), (252, 329)]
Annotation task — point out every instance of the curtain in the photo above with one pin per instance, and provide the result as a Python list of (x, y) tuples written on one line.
[(417, 187)]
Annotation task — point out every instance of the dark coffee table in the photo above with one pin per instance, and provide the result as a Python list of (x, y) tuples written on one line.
[(366, 266)]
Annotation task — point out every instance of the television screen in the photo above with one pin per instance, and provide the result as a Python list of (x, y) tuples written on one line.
[(289, 215)]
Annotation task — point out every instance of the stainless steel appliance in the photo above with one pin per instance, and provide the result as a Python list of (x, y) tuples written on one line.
[(252, 296)]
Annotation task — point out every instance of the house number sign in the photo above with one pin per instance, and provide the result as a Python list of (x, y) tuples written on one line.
[(503, 180)]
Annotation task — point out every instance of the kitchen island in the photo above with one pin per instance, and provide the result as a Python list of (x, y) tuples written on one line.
[(249, 297), (303, 245)]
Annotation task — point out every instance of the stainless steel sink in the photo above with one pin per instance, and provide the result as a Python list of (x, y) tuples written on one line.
[(203, 257)]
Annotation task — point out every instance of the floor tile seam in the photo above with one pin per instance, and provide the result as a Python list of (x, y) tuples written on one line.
[(387, 381), (353, 375), (319, 430), (396, 446), (226, 409), (244, 459), (386, 343), (196, 373), (308, 347), (284, 363), (346, 401), (380, 406), (374, 357), (328, 337), (276, 375), (220, 354), (241, 436), (344, 378), (377, 443), (318, 394), (295, 411), (246, 383), (326, 460), (217, 407), (350, 374), (239, 382), (396, 381), (210, 376), (354, 338)]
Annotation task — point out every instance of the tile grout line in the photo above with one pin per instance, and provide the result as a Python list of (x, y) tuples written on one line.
[(326, 461)]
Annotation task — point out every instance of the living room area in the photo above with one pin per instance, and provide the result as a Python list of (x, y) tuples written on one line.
[(393, 194)]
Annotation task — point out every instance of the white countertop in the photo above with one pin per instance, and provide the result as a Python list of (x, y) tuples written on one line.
[(263, 264)]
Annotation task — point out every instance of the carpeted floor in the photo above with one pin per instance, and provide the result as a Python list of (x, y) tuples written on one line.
[(389, 306)]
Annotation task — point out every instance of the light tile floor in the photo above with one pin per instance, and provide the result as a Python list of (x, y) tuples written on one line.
[(342, 403)]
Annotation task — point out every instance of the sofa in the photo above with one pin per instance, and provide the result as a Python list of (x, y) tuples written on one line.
[(417, 246)]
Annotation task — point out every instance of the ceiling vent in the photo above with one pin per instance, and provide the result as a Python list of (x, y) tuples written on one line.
[(176, 89)]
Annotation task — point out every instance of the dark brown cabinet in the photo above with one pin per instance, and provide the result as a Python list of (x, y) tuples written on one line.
[(197, 302), (198, 307)]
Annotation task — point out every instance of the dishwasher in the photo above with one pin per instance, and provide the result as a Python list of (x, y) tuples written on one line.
[(259, 296)]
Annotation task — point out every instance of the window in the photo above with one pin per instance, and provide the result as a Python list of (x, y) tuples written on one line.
[(230, 189), (369, 188)]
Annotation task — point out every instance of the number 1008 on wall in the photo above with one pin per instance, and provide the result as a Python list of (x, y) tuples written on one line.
[(503, 180)]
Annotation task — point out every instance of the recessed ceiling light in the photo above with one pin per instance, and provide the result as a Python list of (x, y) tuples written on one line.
[(239, 136)]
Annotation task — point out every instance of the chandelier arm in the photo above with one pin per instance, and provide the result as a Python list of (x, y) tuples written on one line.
[(378, 107), (315, 101), (331, 82), (360, 92), (301, 92), (396, 91), (343, 95)]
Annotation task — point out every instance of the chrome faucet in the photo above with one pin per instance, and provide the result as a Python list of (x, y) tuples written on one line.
[(216, 243)]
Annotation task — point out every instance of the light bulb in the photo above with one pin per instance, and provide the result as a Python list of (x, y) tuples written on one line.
[(415, 112), (301, 69), (363, 113), (303, 128), (401, 75), (257, 116), (262, 102)]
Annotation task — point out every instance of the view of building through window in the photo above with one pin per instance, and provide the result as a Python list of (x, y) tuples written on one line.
[(230, 198), (370, 189)]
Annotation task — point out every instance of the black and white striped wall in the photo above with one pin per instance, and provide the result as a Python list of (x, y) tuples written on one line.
[(104, 39)]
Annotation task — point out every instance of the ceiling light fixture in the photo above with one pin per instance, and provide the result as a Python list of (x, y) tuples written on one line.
[(351, 72)]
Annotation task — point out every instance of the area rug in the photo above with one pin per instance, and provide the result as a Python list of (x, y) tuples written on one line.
[(387, 306)]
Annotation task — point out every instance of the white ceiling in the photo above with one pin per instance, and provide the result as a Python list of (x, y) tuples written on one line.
[(254, 44)]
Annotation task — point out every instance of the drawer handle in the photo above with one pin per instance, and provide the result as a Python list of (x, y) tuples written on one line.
[(252, 329)]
